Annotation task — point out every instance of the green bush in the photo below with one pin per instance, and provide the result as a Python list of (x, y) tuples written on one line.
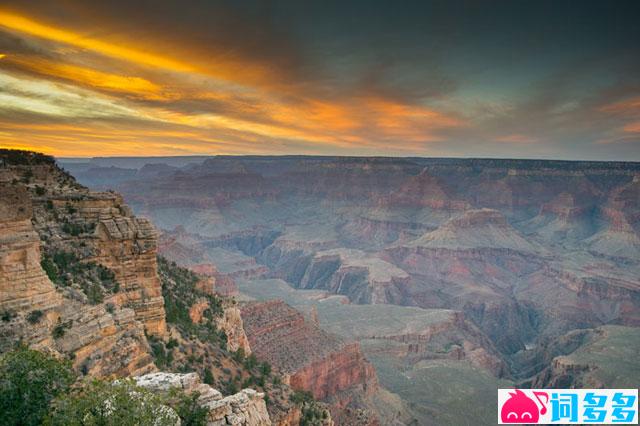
[(7, 316), (265, 369), (95, 280), (250, 362), (231, 387), (35, 316), (60, 329), (49, 268), (162, 357), (300, 397), (208, 377), (75, 229), (238, 355), (29, 380), (103, 403), (188, 409)]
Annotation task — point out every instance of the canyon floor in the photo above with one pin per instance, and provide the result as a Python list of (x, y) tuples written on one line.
[(455, 277)]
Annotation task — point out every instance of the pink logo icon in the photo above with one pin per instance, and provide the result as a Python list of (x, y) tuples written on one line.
[(519, 408)]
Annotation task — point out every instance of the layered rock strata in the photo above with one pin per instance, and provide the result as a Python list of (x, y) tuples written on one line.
[(309, 358)]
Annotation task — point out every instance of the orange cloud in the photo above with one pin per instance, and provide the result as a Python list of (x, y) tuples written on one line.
[(626, 106), (516, 138), (88, 77), (225, 105), (219, 63), (25, 25), (632, 127)]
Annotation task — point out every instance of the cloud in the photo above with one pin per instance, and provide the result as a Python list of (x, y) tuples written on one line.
[(517, 138), (203, 108), (280, 77)]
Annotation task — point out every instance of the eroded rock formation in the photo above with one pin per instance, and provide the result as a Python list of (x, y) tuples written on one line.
[(245, 408), (309, 358)]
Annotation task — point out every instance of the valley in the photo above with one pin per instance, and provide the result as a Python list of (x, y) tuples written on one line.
[(465, 272)]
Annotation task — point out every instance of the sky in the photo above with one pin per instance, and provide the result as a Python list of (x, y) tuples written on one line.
[(509, 79)]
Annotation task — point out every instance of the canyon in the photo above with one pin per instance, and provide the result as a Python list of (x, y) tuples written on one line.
[(80, 278), (471, 272)]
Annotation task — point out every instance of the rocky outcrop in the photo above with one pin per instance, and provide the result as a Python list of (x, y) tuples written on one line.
[(353, 273), (309, 358), (597, 358), (424, 190), (337, 371), (232, 324), (362, 277), (103, 344), (127, 246), (245, 408), (43, 210), (476, 229), (23, 284), (453, 337)]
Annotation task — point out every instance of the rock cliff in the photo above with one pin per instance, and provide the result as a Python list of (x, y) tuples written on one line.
[(522, 250), (245, 408), (600, 358), (309, 358), (67, 307)]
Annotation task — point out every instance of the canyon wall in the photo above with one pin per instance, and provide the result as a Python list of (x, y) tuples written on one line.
[(309, 358), (40, 207)]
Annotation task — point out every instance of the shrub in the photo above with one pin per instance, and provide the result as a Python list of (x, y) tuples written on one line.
[(250, 362), (94, 279), (35, 316), (26, 177), (300, 397), (22, 157), (239, 355), (208, 377), (60, 329), (265, 369), (7, 316), (231, 387), (110, 404), (94, 293), (162, 357), (188, 409), (29, 380), (49, 268)]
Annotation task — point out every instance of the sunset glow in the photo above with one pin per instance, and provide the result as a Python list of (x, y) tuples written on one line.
[(79, 82)]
